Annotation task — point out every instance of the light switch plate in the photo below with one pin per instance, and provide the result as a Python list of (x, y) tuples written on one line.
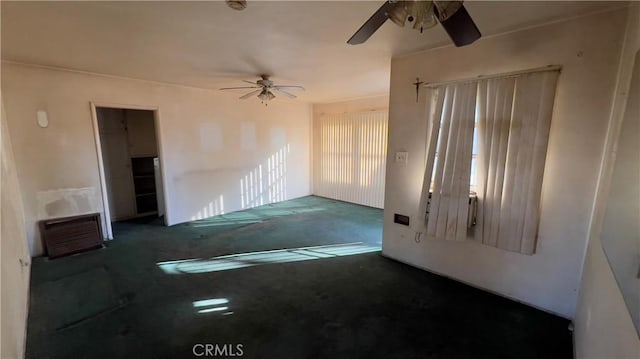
[(402, 157)]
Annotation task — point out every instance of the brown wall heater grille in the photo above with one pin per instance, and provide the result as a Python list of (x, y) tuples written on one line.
[(69, 235)]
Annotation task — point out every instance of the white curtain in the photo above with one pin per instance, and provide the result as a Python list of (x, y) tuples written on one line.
[(350, 157), (449, 161), (514, 117)]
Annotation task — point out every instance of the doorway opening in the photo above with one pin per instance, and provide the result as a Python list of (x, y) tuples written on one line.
[(130, 166)]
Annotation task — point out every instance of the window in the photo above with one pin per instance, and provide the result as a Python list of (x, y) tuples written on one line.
[(474, 163), (350, 157), (489, 137)]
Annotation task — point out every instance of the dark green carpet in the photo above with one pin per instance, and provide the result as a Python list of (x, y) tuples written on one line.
[(88, 301), (357, 306)]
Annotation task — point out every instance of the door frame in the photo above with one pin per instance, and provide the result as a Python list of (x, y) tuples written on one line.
[(103, 182)]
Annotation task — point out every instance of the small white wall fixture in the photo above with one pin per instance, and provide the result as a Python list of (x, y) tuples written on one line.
[(42, 119)]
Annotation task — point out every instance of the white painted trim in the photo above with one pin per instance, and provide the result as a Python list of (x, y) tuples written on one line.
[(163, 168), (103, 184), (117, 77), (124, 106), (630, 49), (106, 220), (126, 78)]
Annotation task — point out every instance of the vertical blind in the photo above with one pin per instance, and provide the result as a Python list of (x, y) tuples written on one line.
[(510, 118), (452, 138), (514, 118), (350, 157)]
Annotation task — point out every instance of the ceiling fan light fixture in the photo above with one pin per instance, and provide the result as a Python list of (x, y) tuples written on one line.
[(452, 15), (399, 13), (237, 4), (424, 16), (266, 95)]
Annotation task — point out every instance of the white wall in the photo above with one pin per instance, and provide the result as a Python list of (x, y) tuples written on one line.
[(209, 142), (588, 48), (13, 251), (355, 105), (603, 324)]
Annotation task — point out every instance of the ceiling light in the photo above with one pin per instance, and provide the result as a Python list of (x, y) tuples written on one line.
[(398, 15), (237, 4), (420, 12), (424, 15), (266, 95)]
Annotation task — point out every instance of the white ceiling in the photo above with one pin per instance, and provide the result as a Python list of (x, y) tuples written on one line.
[(208, 45)]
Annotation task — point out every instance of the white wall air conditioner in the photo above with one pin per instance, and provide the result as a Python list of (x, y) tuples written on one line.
[(473, 209)]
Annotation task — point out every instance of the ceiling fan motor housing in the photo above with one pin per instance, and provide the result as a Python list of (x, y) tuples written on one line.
[(265, 82), (452, 15)]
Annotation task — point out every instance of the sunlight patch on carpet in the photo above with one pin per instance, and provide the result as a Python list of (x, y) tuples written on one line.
[(244, 260)]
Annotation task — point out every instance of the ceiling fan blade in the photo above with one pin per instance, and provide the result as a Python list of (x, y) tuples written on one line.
[(289, 95), (240, 88), (373, 24), (252, 93), (460, 27), (249, 82), (288, 87)]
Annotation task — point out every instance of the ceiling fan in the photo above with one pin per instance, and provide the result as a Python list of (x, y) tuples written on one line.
[(265, 88), (452, 15)]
